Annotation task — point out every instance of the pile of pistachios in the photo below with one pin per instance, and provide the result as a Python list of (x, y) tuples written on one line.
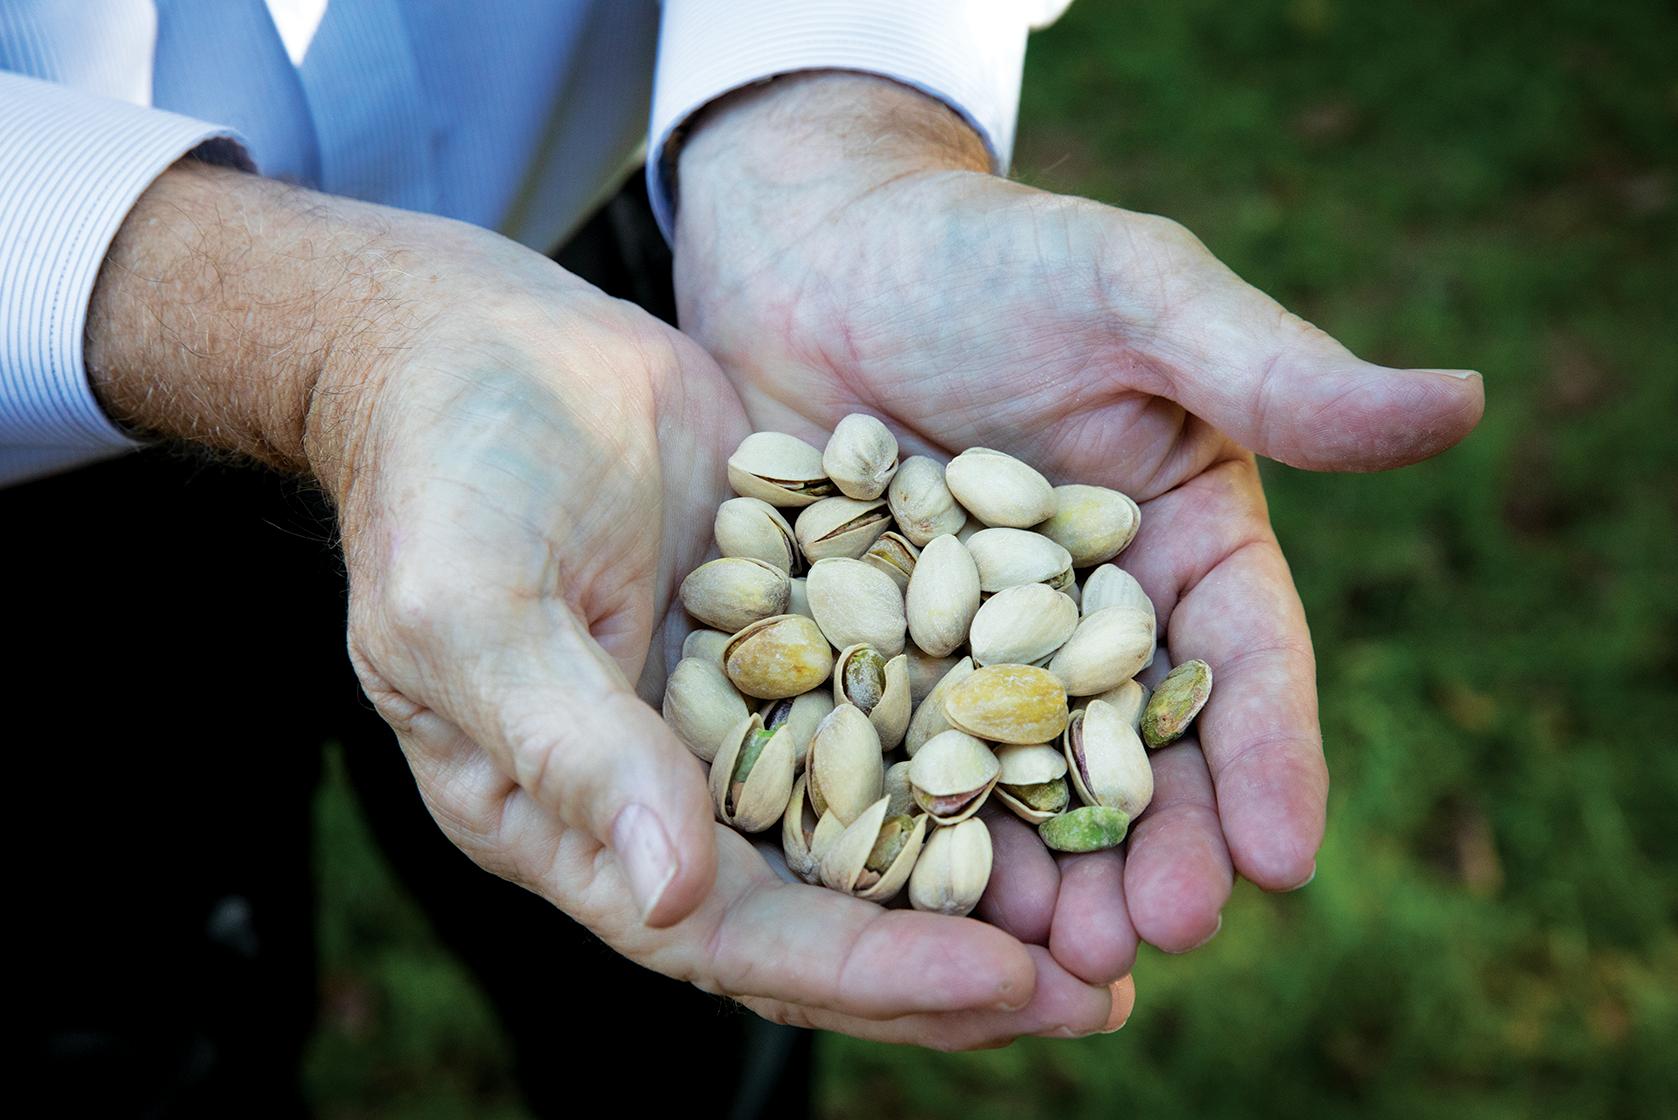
[(914, 640)]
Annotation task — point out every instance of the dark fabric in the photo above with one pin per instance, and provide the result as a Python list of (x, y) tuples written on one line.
[(179, 630)]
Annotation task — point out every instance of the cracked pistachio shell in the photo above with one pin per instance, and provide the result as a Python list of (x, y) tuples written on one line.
[(758, 801), (929, 718), (801, 714), (844, 765), (777, 657), (953, 871), (701, 706), (943, 596), (895, 556), (734, 592), (705, 644), (920, 502), (1087, 829), (900, 796), (1105, 758), (854, 603), (1038, 764), (1020, 625), (752, 528), (861, 456), (1112, 586), (1014, 799), (880, 689), (805, 836), (1008, 704), (1130, 699), (1176, 702), (798, 601), (1107, 649), (1093, 523), (844, 863), (779, 469), (840, 527), (951, 776), (1009, 557), (999, 489)]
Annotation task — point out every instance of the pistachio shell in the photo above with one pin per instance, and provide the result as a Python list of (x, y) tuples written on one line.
[(999, 489), (1108, 647), (900, 797), (1036, 802), (1105, 759), (798, 602), (1129, 699), (925, 671), (1030, 764), (752, 528), (1176, 702), (754, 803), (779, 469), (929, 718), (801, 714), (855, 603), (798, 827), (840, 527), (781, 656), (844, 864), (1019, 625), (1087, 829), (861, 456), (953, 869), (1008, 704), (700, 705), (920, 502), (943, 596), (734, 592), (895, 556), (1112, 586), (1010, 557), (705, 644), (844, 765), (884, 700), (1093, 523), (951, 776)]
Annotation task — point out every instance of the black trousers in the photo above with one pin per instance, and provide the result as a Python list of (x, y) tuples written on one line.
[(177, 637)]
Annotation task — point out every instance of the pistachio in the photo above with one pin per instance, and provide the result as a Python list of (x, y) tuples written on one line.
[(880, 688), (861, 456), (1112, 586), (752, 528), (925, 671), (777, 657), (1008, 704), (943, 596), (752, 775), (1087, 829), (844, 766), (895, 556), (1009, 557), (1021, 624), (806, 835), (1033, 781), (798, 602), (1105, 759), (951, 775), (854, 603), (840, 527), (998, 489), (920, 502), (900, 795), (1108, 647), (779, 469), (929, 718), (734, 592), (701, 706), (873, 857), (705, 644), (1176, 702), (1129, 699), (953, 870), (1093, 523), (800, 714)]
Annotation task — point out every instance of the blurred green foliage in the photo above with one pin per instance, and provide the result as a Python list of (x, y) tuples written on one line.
[(1491, 932)]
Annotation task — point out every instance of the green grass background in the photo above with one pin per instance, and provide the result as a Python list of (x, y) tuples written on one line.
[(1491, 932)]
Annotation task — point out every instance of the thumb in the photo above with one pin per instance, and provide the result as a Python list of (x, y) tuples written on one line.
[(1236, 358)]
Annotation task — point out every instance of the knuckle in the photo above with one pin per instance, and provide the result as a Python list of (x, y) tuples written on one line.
[(411, 601)]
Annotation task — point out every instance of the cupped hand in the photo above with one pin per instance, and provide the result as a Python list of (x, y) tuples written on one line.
[(840, 248), (522, 481)]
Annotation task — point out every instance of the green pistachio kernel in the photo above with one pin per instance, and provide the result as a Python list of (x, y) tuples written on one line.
[(1045, 797), (1176, 702), (865, 678), (1089, 829), (894, 834), (749, 754)]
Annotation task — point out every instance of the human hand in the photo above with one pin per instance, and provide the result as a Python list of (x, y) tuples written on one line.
[(522, 469), (840, 247)]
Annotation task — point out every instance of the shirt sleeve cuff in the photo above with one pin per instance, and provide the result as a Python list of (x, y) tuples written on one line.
[(967, 53), (72, 165)]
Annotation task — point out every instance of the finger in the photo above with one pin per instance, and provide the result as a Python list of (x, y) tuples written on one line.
[(1092, 936), (1177, 870), (1061, 1006), (1024, 880), (1235, 357)]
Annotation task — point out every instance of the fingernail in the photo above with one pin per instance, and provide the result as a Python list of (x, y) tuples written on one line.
[(1121, 1010), (1208, 937), (643, 851), (1305, 882), (1459, 374)]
